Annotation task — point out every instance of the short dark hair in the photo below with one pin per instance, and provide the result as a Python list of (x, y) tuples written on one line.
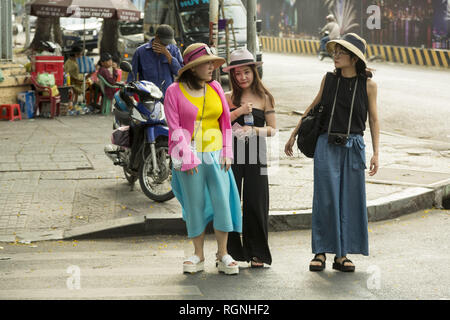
[(105, 56), (75, 50)]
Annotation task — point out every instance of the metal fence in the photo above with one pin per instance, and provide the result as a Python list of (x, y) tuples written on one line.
[(6, 30)]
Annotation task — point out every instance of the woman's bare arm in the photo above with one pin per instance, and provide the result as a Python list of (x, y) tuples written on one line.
[(372, 91)]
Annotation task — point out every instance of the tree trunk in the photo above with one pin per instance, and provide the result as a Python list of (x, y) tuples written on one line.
[(43, 29), (44, 26), (57, 32), (110, 37)]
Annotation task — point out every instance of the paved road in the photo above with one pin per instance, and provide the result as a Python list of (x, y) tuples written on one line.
[(412, 100), (409, 259)]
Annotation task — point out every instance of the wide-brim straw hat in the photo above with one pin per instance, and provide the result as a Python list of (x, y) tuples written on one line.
[(352, 42), (239, 58), (199, 53)]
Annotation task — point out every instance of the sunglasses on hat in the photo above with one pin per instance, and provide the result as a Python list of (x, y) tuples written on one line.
[(198, 52)]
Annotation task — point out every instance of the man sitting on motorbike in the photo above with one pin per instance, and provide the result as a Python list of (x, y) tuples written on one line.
[(331, 31)]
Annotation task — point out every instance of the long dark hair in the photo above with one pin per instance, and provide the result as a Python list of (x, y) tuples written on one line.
[(361, 68), (257, 87)]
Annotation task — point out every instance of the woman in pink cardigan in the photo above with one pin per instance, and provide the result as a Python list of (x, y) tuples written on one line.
[(200, 146)]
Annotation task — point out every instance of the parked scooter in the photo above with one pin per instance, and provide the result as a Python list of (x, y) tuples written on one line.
[(324, 54), (144, 124)]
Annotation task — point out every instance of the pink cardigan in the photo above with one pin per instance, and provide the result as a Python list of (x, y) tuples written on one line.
[(181, 115)]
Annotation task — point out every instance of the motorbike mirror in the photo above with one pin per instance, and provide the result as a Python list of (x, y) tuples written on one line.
[(126, 66)]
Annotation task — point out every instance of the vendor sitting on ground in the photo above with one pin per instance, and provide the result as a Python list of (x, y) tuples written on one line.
[(76, 78), (108, 71)]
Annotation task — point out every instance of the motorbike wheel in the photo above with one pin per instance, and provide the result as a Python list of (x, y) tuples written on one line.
[(157, 188)]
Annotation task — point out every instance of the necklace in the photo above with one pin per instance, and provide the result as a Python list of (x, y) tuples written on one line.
[(350, 85)]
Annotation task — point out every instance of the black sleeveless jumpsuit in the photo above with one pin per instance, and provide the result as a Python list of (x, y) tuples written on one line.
[(250, 172)]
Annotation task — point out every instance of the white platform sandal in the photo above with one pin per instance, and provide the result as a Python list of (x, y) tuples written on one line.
[(224, 265), (196, 265)]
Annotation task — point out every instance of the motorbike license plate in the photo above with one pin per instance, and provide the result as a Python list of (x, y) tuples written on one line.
[(89, 37)]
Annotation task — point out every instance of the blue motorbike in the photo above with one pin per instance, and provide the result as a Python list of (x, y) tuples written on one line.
[(140, 138)]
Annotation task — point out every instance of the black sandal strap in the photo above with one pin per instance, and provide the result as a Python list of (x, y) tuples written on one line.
[(320, 254)]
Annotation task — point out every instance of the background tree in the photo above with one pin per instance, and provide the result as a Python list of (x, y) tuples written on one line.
[(110, 37), (345, 13), (47, 29)]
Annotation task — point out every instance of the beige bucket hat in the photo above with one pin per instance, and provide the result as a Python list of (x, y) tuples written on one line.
[(352, 42)]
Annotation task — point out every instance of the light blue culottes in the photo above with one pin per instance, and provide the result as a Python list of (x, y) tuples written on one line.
[(209, 195), (339, 218)]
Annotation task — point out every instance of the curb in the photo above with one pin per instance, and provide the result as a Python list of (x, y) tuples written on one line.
[(397, 54), (390, 207)]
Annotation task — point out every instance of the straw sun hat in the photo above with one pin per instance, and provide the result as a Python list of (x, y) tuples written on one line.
[(352, 42), (199, 53)]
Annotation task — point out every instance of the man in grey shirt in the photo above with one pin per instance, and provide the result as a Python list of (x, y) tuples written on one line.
[(334, 32)]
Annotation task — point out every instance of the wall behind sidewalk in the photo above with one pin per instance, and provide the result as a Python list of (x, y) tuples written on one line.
[(406, 55), (14, 83)]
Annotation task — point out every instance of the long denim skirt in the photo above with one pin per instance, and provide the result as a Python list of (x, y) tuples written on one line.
[(339, 218)]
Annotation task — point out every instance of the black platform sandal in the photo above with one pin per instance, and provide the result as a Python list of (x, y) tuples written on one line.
[(256, 263), (322, 266), (342, 267)]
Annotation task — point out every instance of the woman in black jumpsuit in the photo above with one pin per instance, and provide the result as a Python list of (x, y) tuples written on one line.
[(250, 159)]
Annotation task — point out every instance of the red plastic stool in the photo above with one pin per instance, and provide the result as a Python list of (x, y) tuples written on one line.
[(10, 108)]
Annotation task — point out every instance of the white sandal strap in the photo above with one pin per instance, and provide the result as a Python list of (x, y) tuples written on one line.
[(227, 260), (194, 259)]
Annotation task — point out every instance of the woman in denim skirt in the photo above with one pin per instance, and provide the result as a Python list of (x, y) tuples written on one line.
[(339, 217)]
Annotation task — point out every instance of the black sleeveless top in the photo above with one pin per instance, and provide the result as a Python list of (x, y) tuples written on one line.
[(343, 104), (252, 155)]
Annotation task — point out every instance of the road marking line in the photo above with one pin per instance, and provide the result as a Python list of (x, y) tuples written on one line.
[(91, 293), (107, 271), (156, 254)]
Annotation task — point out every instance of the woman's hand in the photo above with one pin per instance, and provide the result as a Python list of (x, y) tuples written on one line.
[(192, 171), (246, 108), (373, 165), (248, 130), (225, 163), (288, 147)]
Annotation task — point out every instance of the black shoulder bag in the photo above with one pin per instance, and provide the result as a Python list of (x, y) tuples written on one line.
[(309, 130)]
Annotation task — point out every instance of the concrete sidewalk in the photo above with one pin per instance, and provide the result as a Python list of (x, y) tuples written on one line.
[(56, 182)]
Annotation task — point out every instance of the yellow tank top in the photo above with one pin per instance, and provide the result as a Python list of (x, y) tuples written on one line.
[(209, 136)]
